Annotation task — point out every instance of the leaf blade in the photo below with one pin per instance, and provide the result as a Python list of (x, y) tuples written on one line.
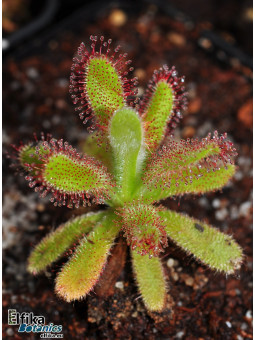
[(99, 84), (161, 105), (202, 181), (188, 167), (210, 246), (57, 168), (104, 88), (79, 275), (150, 281), (54, 245)]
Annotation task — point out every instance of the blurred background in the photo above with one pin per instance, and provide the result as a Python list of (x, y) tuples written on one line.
[(210, 42), (231, 19)]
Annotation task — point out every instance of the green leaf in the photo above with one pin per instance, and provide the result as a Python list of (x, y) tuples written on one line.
[(188, 167), (161, 105), (58, 168), (150, 280), (158, 113), (180, 155), (79, 275), (144, 229), (128, 152), (207, 244), (54, 245), (73, 175), (195, 181), (98, 84), (104, 88), (30, 154)]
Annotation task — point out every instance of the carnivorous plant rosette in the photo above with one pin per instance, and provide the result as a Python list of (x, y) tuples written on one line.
[(131, 163)]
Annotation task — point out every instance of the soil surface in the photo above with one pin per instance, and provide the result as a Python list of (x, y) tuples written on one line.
[(201, 304)]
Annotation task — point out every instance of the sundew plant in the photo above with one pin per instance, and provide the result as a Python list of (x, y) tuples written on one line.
[(132, 163)]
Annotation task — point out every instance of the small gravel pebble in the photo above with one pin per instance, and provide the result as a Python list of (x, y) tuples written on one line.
[(180, 334), (9, 331), (32, 73), (40, 207), (203, 202), (5, 44), (239, 337), (170, 263), (119, 285), (176, 262), (140, 91), (216, 203), (244, 161), (175, 276), (205, 43), (176, 39), (228, 323), (245, 209), (189, 281), (244, 326), (234, 212), (248, 314), (221, 214), (117, 18), (140, 73), (238, 175)]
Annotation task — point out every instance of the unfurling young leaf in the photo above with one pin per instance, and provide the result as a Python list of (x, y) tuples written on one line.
[(133, 164), (126, 141)]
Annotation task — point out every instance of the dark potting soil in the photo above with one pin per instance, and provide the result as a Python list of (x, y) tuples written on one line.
[(202, 304)]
